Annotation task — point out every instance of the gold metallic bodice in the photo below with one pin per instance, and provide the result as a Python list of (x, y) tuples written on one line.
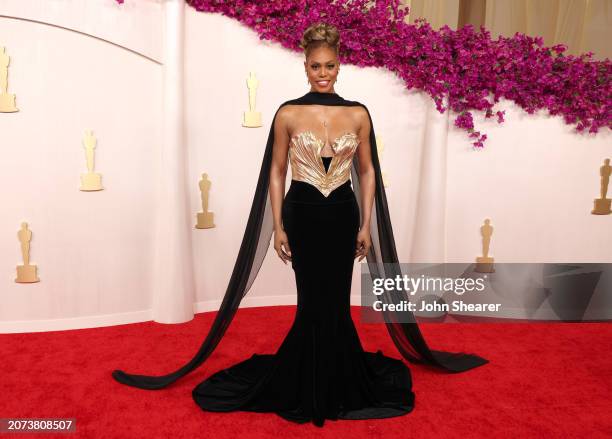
[(307, 164)]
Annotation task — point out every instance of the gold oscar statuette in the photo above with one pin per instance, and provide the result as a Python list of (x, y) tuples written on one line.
[(252, 118), (380, 146), (602, 204), (90, 181), (484, 263), (26, 273), (7, 101), (205, 218)]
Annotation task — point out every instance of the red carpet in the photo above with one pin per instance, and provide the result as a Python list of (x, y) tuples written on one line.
[(543, 380)]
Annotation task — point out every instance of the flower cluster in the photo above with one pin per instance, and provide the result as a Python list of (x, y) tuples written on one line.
[(462, 70)]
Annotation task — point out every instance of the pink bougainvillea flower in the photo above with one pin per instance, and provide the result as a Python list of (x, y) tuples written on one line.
[(463, 70)]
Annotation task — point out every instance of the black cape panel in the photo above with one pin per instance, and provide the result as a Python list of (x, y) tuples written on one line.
[(382, 261)]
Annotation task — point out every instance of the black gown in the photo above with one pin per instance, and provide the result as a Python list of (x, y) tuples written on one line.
[(353, 384), (320, 371)]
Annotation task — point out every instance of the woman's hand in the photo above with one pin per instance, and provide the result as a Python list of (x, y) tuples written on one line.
[(281, 245), (363, 243)]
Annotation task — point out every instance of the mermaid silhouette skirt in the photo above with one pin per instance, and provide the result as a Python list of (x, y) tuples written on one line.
[(320, 371)]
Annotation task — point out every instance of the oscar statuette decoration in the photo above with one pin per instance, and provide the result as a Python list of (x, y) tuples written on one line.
[(252, 118), (90, 181), (26, 273), (7, 101), (484, 263), (205, 218), (602, 204)]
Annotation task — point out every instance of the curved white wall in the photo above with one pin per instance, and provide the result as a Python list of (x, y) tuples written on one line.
[(535, 179), (77, 66)]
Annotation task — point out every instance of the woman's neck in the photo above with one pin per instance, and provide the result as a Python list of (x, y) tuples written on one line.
[(332, 91)]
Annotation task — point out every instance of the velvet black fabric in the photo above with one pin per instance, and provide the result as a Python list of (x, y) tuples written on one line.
[(326, 162), (382, 260), (320, 371)]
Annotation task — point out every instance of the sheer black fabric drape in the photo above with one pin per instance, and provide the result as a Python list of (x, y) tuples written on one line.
[(382, 260)]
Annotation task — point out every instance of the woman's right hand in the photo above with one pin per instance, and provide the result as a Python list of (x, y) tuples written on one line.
[(281, 245)]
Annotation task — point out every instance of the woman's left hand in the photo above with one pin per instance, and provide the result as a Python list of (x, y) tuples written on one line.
[(363, 243)]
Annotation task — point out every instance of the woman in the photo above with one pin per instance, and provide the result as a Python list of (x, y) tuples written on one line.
[(320, 371)]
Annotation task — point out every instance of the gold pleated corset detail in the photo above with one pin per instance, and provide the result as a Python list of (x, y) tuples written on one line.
[(307, 164)]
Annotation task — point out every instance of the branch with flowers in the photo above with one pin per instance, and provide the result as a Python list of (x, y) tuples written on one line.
[(464, 69)]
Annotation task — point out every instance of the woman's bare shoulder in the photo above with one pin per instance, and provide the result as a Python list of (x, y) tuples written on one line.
[(358, 110), (288, 111), (360, 117), (359, 114)]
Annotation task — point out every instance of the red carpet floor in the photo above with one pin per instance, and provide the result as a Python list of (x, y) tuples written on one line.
[(543, 380)]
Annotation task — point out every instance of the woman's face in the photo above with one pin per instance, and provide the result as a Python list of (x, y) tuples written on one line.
[(322, 69)]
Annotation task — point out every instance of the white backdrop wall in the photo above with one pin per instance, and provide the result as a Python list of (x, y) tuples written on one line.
[(95, 252), (74, 66)]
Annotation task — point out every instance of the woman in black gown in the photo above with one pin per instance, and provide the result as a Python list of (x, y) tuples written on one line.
[(320, 371)]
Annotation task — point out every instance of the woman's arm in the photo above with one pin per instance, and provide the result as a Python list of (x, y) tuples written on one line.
[(367, 184), (278, 174)]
